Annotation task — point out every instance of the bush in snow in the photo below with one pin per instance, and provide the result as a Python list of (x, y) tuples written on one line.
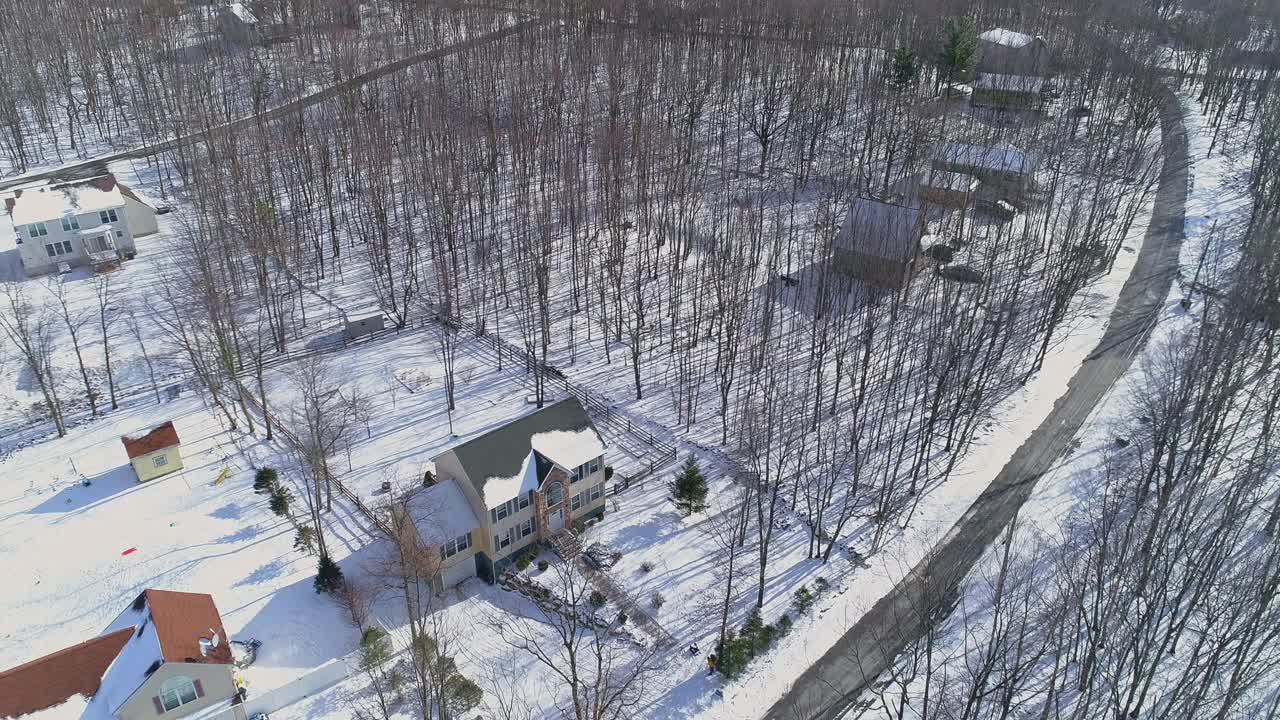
[(646, 567), (822, 584), (304, 540), (753, 640), (543, 565), (328, 575), (689, 489), (280, 498), (802, 600), (622, 617), (265, 480), (597, 598), (658, 600), (523, 563)]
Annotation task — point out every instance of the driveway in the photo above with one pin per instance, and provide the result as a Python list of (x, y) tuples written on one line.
[(832, 684)]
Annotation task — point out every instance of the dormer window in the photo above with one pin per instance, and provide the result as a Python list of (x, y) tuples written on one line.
[(69, 223)]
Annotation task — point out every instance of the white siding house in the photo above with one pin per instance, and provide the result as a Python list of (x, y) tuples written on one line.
[(85, 222)]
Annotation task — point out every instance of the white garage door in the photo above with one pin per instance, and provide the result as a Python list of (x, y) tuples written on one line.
[(457, 573)]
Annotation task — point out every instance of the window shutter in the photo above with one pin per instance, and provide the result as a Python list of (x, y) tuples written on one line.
[(199, 688), (155, 700)]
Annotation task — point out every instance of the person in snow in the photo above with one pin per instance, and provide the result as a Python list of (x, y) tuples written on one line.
[(711, 664)]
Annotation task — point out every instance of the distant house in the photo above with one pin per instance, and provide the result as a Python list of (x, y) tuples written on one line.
[(499, 493), (1007, 92), (154, 452), (237, 23), (82, 222), (951, 189), (1005, 52), (1003, 169), (166, 654), (879, 243)]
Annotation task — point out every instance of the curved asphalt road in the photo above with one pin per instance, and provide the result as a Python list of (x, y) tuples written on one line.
[(832, 684)]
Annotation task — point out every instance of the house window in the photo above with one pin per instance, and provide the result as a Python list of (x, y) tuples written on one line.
[(455, 546), (502, 542), (501, 512), (119, 233), (524, 501), (595, 466), (58, 248), (36, 230), (69, 223), (177, 691), (597, 491), (159, 461), (555, 494), (577, 501), (526, 529), (108, 216)]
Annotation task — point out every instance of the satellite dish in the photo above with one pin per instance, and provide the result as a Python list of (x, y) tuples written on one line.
[(205, 646), (214, 640)]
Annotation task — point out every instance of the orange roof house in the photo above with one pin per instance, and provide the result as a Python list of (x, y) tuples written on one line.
[(167, 653), (154, 451)]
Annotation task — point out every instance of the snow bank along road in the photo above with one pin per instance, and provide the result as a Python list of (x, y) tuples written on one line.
[(306, 101), (827, 688)]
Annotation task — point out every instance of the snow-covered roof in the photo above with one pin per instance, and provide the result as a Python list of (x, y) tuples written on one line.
[(880, 229), (999, 158), (441, 512), (50, 201), (498, 490), (561, 433), (243, 14), (70, 709), (1008, 38), (1009, 83)]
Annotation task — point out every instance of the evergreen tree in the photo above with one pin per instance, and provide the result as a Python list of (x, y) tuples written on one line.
[(461, 695), (305, 540), (328, 575), (280, 498), (905, 70), (960, 54), (265, 480), (689, 489)]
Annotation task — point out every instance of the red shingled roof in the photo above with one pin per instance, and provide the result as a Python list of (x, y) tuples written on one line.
[(181, 619), (54, 678), (156, 438)]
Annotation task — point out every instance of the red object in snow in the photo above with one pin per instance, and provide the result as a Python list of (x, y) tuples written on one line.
[(126, 552)]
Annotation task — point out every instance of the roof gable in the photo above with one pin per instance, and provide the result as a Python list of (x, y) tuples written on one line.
[(999, 158), (1008, 38), (561, 433), (59, 676), (150, 440)]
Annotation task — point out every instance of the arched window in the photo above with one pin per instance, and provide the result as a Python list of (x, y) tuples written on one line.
[(555, 493), (176, 692)]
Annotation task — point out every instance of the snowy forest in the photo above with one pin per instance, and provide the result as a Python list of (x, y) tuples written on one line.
[(645, 199)]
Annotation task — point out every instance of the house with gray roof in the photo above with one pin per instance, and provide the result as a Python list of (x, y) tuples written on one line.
[(1003, 169), (495, 495), (879, 243), (1008, 52)]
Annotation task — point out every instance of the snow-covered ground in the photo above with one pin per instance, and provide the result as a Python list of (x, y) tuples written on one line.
[(1216, 195)]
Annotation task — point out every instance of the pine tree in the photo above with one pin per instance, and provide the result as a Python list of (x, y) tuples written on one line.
[(960, 55), (304, 540), (689, 489), (265, 480), (328, 575), (905, 71), (280, 498)]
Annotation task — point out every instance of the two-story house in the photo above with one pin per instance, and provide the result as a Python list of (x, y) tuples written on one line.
[(79, 223), (499, 493), (165, 655)]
